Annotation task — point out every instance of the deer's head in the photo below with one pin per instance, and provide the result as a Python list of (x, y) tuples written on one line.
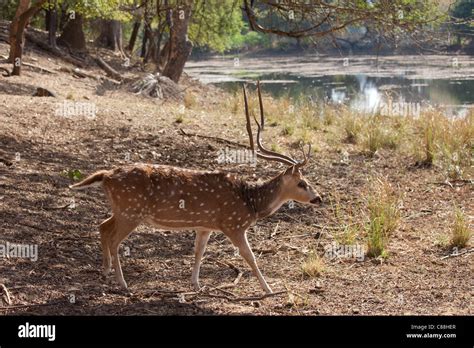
[(293, 184), (295, 187)]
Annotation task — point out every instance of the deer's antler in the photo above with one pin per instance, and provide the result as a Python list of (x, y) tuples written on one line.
[(263, 152)]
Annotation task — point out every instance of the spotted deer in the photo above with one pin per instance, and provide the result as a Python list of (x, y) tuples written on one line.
[(176, 198)]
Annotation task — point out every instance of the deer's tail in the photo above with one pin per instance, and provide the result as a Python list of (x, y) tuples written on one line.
[(92, 180)]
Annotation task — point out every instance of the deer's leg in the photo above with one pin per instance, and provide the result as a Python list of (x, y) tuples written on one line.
[(202, 237), (121, 231), (106, 230), (241, 242)]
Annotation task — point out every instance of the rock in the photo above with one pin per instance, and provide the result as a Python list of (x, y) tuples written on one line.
[(157, 86), (43, 92), (256, 304)]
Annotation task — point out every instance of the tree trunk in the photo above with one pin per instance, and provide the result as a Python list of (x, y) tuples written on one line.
[(151, 50), (51, 23), (73, 35), (144, 41), (19, 36), (133, 37), (22, 7), (180, 46), (163, 58), (156, 57), (147, 33), (111, 35), (63, 19)]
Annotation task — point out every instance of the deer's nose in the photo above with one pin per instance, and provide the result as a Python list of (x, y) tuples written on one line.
[(316, 200)]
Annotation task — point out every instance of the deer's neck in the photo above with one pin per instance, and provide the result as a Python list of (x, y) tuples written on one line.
[(265, 198)]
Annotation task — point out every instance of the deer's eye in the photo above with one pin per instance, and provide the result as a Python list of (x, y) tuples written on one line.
[(302, 184)]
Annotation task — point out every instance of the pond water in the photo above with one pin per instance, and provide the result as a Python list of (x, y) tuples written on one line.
[(394, 85)]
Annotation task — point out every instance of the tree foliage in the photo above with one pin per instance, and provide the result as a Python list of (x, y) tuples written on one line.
[(463, 10), (214, 24), (103, 9)]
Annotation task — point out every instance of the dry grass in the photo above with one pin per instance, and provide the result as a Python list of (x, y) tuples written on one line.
[(460, 233), (313, 266), (352, 126), (378, 134), (346, 222), (189, 100), (445, 142), (430, 139), (383, 216)]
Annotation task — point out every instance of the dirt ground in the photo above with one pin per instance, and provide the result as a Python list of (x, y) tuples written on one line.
[(35, 208)]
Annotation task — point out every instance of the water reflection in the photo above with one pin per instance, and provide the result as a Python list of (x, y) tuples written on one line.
[(369, 98), (395, 95)]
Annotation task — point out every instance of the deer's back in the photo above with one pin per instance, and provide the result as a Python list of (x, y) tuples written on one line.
[(177, 198)]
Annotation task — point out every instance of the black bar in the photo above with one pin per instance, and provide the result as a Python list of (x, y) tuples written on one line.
[(209, 330)]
